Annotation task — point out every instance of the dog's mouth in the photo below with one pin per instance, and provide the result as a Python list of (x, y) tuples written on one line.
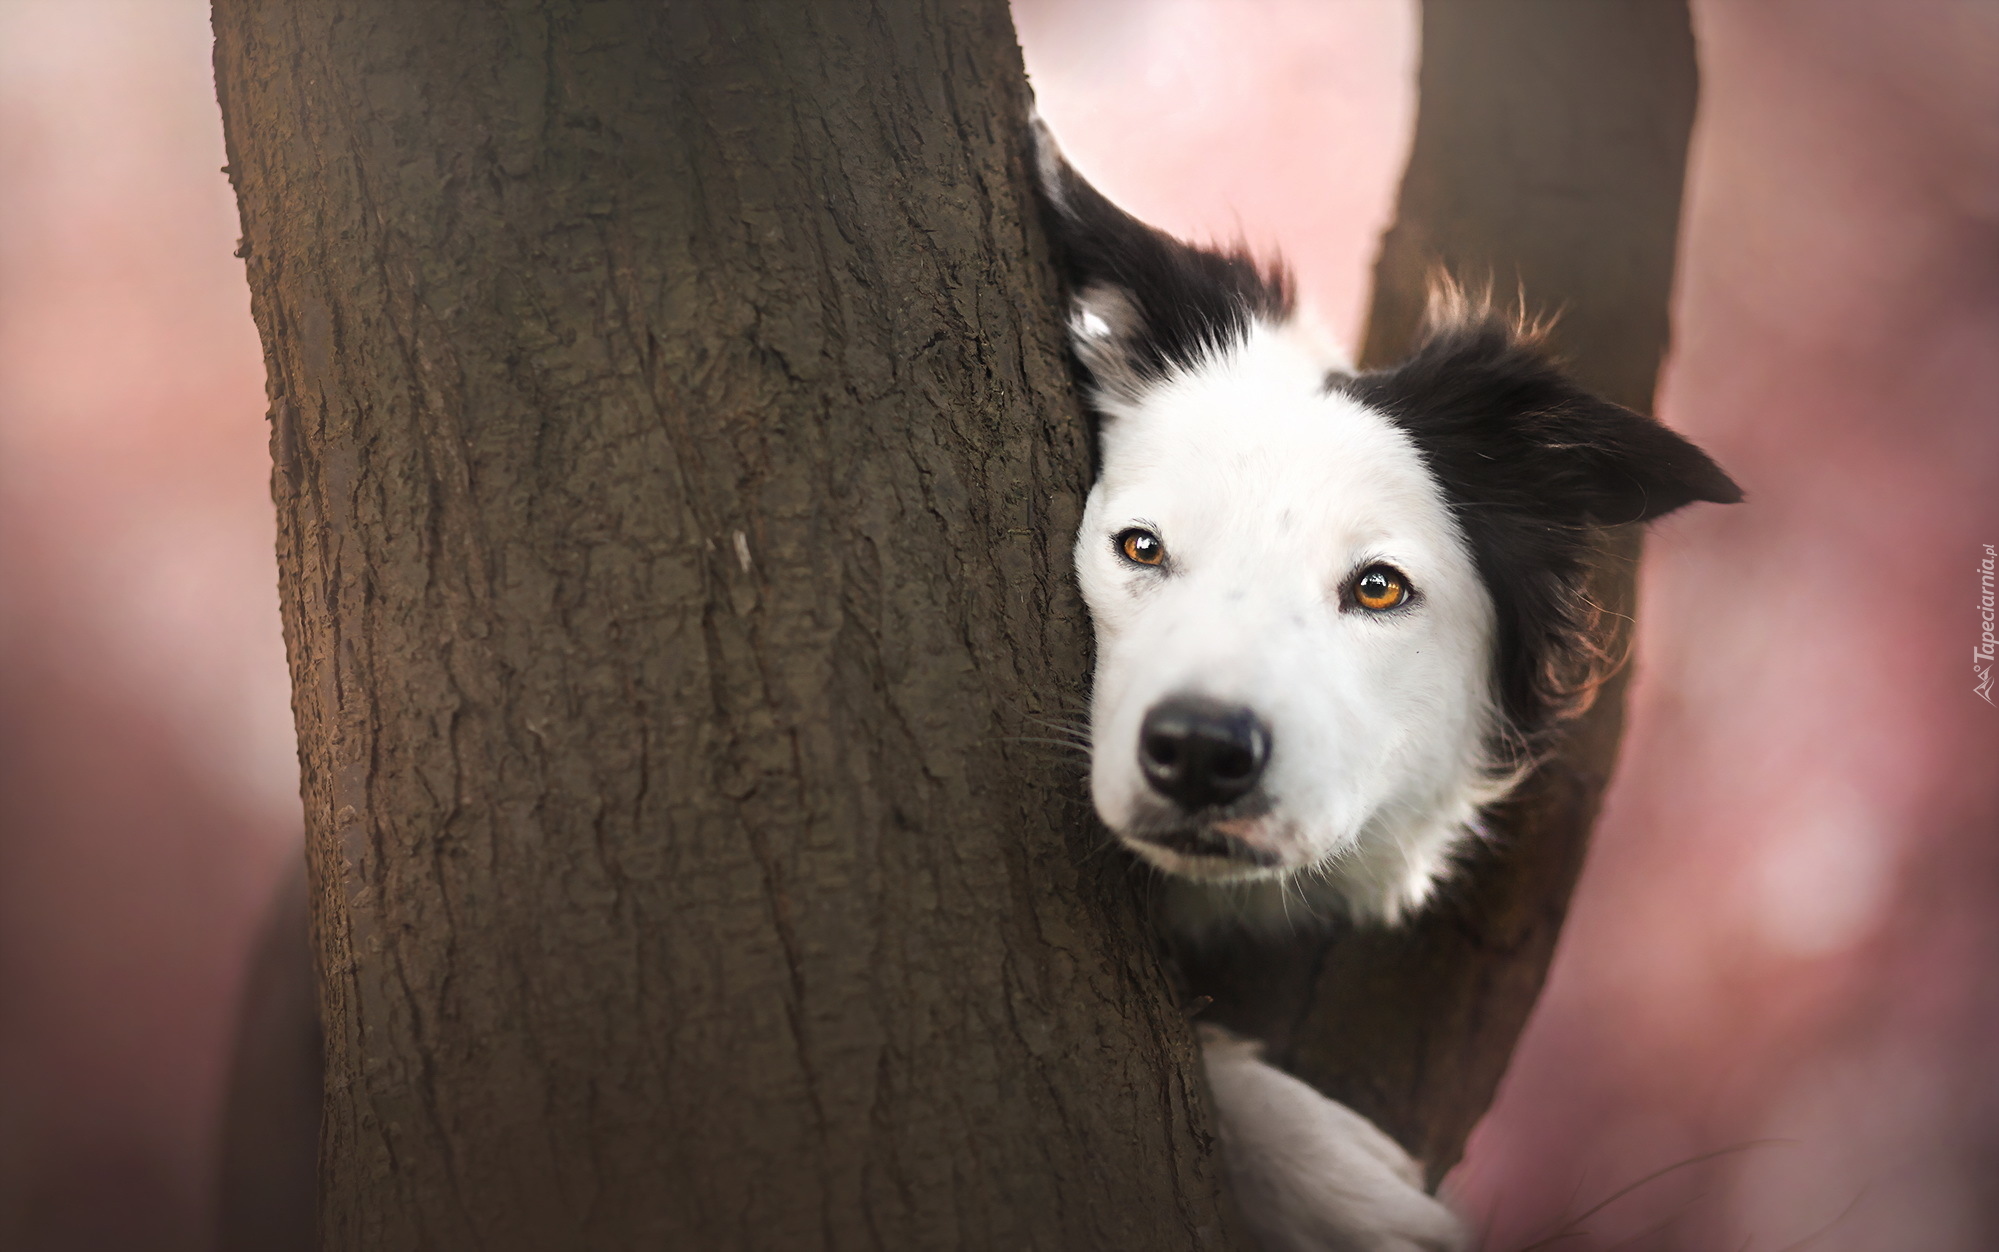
[(1218, 846)]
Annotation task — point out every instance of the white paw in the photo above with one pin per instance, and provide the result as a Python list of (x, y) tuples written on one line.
[(1310, 1174)]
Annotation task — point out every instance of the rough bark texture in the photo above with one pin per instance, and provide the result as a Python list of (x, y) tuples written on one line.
[(675, 467), (1550, 150)]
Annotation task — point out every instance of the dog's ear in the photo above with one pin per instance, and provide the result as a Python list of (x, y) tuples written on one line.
[(1530, 462), (1503, 427), (1143, 304)]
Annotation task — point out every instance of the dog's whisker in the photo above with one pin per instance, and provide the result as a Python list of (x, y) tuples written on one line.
[(1067, 744)]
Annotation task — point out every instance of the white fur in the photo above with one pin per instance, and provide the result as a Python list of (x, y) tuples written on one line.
[(1269, 493), (1311, 1175)]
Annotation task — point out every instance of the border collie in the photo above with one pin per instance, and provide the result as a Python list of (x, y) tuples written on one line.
[(1337, 614)]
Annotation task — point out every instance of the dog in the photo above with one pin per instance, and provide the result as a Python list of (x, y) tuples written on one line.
[(1337, 615)]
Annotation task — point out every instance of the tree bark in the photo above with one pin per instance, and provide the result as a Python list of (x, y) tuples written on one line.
[(1550, 151), (675, 467)]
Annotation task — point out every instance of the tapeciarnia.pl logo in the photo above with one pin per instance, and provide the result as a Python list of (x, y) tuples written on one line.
[(1981, 656)]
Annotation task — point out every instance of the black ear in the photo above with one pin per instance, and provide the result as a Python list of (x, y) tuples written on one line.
[(1530, 463), (1504, 427), (1143, 304)]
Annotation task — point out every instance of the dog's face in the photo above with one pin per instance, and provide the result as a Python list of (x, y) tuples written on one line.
[(1292, 638), (1334, 611)]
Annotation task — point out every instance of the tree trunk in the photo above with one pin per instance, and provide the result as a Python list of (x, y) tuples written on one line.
[(675, 468), (1550, 149)]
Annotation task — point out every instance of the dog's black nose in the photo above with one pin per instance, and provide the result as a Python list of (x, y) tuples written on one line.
[(1200, 753)]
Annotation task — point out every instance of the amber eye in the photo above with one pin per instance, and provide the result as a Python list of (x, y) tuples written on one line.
[(1140, 546), (1380, 588)]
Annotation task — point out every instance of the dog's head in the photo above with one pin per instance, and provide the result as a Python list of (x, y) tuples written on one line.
[(1335, 611)]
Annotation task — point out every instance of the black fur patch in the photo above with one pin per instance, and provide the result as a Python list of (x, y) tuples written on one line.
[(1189, 302), (1531, 463)]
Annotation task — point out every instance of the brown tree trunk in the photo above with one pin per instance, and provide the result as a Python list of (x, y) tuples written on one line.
[(675, 467), (1550, 149)]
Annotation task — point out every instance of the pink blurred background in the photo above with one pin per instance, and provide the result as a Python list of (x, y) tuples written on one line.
[(1785, 931)]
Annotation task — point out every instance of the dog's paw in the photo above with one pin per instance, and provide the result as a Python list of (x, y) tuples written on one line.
[(1310, 1174)]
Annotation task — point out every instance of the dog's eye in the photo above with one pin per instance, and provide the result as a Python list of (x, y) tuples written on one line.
[(1379, 588), (1140, 546)]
